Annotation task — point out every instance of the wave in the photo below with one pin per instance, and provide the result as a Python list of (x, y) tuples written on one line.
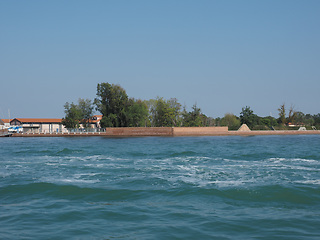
[(44, 190), (183, 154), (33, 152), (67, 151), (265, 194)]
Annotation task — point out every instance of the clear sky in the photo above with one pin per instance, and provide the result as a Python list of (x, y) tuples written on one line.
[(222, 55)]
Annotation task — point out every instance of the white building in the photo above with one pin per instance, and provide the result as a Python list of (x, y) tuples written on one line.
[(4, 123), (39, 125)]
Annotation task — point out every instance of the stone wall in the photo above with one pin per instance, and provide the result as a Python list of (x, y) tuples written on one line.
[(166, 131), (199, 131), (139, 131)]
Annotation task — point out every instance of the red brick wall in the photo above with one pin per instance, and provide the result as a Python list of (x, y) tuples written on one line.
[(139, 131), (165, 131), (198, 131)]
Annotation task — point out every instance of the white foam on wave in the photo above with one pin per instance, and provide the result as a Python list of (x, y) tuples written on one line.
[(52, 164), (312, 182), (78, 178), (196, 170), (80, 175), (295, 160), (276, 160), (5, 174), (229, 183), (306, 160), (231, 172), (69, 180), (72, 180), (302, 168)]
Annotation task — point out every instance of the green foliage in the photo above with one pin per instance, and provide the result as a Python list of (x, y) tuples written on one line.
[(282, 114), (194, 118), (151, 108), (77, 114), (231, 121), (111, 102), (248, 117), (209, 121), (316, 119), (136, 113), (163, 113), (300, 117), (109, 121), (120, 111), (176, 108), (117, 109), (268, 121), (86, 108), (292, 115), (309, 120), (306, 119)]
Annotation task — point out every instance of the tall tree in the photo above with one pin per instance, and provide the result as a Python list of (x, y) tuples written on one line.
[(176, 107), (292, 114), (136, 113), (162, 114), (248, 117), (193, 118), (151, 106), (111, 101), (282, 114)]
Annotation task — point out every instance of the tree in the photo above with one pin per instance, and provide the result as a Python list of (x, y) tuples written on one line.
[(111, 102), (193, 118), (209, 122), (151, 104), (175, 106), (77, 114), (73, 116), (231, 121), (163, 115), (248, 117), (282, 114), (268, 121), (309, 120), (299, 118), (136, 113), (292, 115), (316, 119), (86, 108), (218, 121)]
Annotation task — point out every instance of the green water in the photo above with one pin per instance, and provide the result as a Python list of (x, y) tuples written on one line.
[(262, 187)]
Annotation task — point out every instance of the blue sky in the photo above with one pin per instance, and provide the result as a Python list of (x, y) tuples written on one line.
[(222, 55)]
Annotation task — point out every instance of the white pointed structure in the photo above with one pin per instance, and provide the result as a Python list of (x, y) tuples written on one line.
[(244, 128)]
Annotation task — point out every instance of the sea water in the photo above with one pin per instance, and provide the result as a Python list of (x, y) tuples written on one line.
[(261, 187)]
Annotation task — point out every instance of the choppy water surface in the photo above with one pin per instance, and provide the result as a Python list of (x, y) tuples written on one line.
[(262, 187)]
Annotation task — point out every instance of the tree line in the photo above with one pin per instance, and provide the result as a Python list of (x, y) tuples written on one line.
[(287, 120), (119, 110)]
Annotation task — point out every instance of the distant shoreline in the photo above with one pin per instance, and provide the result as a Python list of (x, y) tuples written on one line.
[(169, 134)]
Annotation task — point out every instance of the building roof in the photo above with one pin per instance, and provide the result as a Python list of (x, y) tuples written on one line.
[(95, 119), (5, 120), (38, 120)]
